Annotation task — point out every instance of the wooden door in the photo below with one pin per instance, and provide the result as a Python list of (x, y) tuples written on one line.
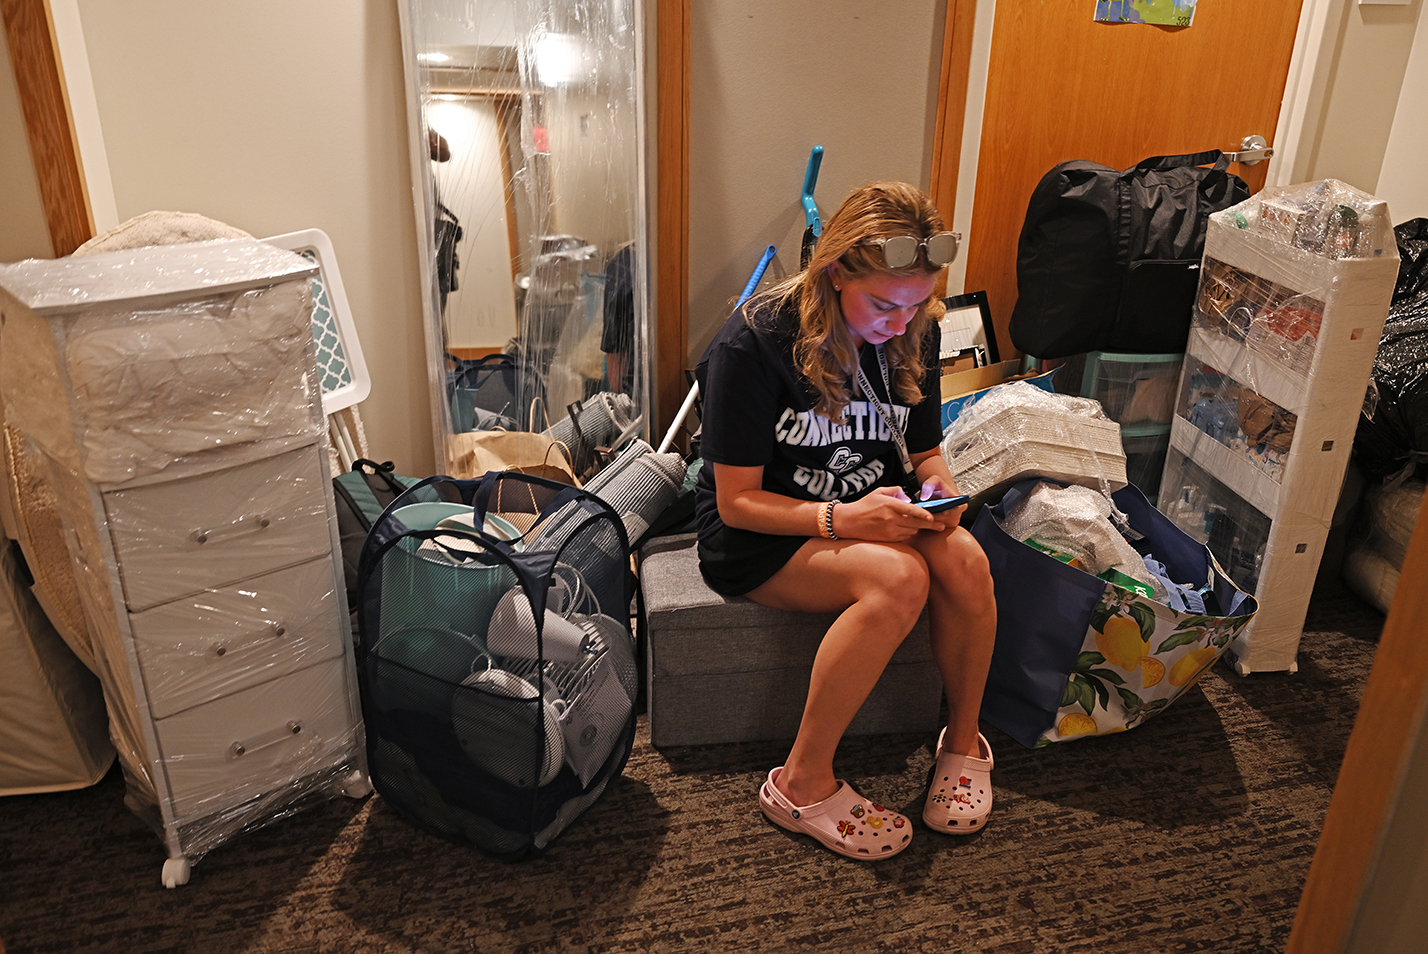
[(1061, 86)]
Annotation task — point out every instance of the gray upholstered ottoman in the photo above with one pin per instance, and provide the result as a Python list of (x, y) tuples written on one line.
[(731, 670)]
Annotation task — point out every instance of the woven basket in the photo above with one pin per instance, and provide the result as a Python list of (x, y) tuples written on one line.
[(31, 507)]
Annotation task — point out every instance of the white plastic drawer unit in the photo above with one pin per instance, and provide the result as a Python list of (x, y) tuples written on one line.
[(233, 749), (221, 641), (182, 536)]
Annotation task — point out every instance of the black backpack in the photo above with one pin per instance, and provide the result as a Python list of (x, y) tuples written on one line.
[(1110, 261)]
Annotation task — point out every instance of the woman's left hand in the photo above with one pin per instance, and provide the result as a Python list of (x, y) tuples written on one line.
[(935, 488)]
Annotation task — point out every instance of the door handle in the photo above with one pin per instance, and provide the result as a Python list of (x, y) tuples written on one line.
[(1253, 150)]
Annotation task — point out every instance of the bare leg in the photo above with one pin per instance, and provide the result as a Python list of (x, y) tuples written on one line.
[(963, 615), (880, 589)]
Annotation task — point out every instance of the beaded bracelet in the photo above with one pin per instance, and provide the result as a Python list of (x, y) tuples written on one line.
[(825, 520)]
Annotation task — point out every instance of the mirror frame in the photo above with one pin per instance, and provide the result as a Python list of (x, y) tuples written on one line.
[(423, 195)]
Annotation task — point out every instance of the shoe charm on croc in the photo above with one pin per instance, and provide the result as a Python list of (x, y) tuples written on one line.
[(844, 822), (960, 796)]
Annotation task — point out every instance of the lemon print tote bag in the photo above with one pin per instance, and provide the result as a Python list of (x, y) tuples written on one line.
[(1078, 655)]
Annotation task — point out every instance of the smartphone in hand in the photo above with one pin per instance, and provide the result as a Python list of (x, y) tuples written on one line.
[(942, 503)]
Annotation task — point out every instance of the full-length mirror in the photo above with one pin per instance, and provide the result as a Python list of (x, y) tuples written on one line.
[(530, 191)]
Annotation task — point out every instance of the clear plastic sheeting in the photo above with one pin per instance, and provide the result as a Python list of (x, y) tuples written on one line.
[(148, 385), (231, 638), (191, 533), (1234, 530), (529, 135), (1253, 428), (1328, 219), (304, 776), (1018, 430), (167, 397), (197, 359), (1074, 524), (235, 749), (150, 276), (1276, 312), (1294, 289), (1393, 430)]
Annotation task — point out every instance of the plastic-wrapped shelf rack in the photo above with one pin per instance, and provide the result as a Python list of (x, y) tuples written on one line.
[(1294, 289)]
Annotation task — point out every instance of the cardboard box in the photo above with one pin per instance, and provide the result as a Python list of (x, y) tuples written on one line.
[(965, 387)]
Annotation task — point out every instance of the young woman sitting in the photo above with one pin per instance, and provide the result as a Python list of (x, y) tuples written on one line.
[(821, 416)]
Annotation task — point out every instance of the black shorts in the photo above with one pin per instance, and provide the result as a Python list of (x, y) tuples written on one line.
[(733, 561)]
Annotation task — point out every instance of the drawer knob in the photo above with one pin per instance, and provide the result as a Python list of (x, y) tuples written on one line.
[(251, 523), (220, 650), (272, 737), (279, 629)]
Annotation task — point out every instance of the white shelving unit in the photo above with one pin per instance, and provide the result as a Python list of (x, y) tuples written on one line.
[(1263, 503)]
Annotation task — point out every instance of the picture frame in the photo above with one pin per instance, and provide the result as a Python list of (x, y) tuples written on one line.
[(967, 331)]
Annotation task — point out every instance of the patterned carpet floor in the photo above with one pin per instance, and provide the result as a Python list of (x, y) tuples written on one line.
[(1193, 832)]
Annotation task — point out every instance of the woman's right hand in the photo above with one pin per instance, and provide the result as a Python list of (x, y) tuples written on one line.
[(884, 515)]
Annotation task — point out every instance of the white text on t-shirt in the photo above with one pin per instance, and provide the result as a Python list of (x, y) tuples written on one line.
[(861, 422)]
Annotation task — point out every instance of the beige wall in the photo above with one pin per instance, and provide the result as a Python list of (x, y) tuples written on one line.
[(1403, 180), (1367, 52), (768, 81), (274, 117), (23, 232)]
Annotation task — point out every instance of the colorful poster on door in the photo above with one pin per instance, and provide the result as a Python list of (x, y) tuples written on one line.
[(1159, 12)]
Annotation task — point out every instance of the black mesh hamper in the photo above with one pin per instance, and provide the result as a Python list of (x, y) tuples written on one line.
[(496, 665)]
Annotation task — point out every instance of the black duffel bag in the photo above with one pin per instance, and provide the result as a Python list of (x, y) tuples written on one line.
[(1109, 261)]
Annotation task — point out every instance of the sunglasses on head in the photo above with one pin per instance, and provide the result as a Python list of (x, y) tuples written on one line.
[(900, 251)]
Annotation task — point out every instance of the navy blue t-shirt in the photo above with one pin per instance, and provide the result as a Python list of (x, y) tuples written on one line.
[(758, 411)]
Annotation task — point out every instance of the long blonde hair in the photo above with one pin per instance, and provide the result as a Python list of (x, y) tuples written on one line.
[(823, 349)]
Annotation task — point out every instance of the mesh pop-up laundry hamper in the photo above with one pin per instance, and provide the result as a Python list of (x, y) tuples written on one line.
[(496, 665)]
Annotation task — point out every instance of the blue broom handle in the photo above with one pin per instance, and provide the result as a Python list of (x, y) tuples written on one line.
[(810, 180), (756, 276), (693, 394)]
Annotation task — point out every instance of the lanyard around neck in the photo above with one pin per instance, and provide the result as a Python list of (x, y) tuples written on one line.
[(884, 411)]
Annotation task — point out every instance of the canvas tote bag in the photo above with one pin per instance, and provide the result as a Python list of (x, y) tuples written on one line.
[(1079, 656)]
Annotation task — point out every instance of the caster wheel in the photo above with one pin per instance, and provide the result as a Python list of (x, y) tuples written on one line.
[(176, 872), (356, 785)]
